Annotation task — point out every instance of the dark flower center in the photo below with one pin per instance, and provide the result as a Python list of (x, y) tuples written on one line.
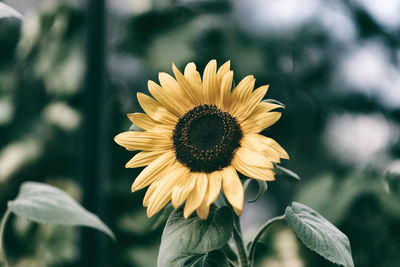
[(205, 139)]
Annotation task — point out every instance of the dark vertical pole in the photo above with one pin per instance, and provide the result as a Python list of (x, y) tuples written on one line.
[(93, 244)]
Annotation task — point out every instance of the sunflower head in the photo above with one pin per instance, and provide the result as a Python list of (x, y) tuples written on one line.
[(198, 133)]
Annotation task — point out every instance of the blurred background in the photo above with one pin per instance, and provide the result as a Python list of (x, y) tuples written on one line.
[(334, 64)]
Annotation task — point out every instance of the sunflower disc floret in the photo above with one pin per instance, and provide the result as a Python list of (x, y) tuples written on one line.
[(205, 139)]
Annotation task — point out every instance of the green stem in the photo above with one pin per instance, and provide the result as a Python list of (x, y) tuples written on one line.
[(237, 236), (259, 234), (3, 258)]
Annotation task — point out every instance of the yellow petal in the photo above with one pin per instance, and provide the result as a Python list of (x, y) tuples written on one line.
[(136, 140), (182, 189), (175, 93), (193, 77), (253, 158), (259, 121), (155, 206), (252, 142), (144, 158), (224, 100), (144, 122), (225, 68), (191, 92), (263, 107), (162, 195), (212, 192), (248, 107), (149, 192), (260, 109), (155, 110), (211, 90), (272, 143), (166, 99), (203, 210), (158, 205), (242, 93), (214, 187), (233, 189), (251, 171), (196, 196), (155, 170), (264, 144)]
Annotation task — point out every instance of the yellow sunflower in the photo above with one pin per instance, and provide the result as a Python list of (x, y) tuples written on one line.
[(197, 135)]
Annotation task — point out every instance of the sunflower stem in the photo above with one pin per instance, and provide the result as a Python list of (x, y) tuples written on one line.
[(237, 236), (259, 234), (3, 258)]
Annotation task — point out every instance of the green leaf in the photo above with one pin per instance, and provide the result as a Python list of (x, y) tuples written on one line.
[(319, 235), (261, 188), (286, 173), (215, 258), (185, 238), (43, 203), (7, 11)]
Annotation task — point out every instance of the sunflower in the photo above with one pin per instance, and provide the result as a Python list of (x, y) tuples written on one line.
[(197, 134)]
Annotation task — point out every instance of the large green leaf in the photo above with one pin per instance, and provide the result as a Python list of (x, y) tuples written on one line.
[(43, 203), (7, 11), (215, 258), (184, 238), (319, 235)]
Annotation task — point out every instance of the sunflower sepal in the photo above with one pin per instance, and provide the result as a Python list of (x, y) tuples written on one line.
[(249, 189), (275, 102), (162, 218), (186, 240), (133, 127), (289, 175)]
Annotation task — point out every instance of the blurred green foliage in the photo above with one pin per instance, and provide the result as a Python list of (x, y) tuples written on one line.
[(41, 72)]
